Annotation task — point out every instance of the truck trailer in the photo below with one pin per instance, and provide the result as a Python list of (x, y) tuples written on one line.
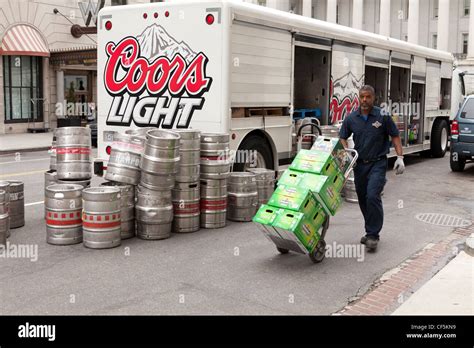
[(243, 69)]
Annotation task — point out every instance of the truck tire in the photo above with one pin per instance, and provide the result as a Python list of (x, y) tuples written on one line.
[(439, 139), (456, 166), (263, 149)]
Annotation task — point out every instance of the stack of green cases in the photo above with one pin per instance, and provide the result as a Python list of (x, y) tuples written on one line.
[(325, 189), (316, 162), (306, 194), (334, 147), (300, 230)]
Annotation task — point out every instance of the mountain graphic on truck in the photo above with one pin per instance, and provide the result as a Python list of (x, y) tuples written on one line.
[(155, 80), (156, 42)]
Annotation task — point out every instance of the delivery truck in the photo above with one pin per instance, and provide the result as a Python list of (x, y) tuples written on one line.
[(243, 69)]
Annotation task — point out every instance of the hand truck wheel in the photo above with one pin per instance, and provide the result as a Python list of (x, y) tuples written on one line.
[(319, 253), (283, 251)]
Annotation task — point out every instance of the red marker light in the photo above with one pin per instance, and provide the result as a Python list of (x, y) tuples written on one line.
[(145, 16), (234, 136), (167, 14), (156, 15), (210, 19), (108, 25), (108, 149)]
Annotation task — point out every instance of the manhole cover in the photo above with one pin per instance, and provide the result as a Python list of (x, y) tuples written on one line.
[(443, 220)]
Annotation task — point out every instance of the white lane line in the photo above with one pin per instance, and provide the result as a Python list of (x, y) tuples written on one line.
[(30, 160), (35, 203)]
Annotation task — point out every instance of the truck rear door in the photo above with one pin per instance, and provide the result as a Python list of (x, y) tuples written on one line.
[(160, 65)]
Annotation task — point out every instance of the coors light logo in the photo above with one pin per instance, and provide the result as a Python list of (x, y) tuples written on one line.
[(154, 80)]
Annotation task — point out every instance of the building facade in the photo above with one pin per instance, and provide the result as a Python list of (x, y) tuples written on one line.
[(48, 73)]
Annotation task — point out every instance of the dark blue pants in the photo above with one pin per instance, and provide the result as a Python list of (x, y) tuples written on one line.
[(370, 180)]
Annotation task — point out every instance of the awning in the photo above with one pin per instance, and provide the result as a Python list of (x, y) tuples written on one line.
[(23, 40)]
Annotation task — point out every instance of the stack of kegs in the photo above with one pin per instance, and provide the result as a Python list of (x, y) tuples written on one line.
[(127, 208), (101, 217), (265, 183), (215, 170), (186, 193), (242, 196), (63, 205), (5, 207), (159, 166), (73, 157), (52, 154), (50, 177), (17, 204), (4, 217), (123, 173), (124, 160)]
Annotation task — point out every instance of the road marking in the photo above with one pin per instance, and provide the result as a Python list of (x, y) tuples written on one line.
[(21, 174), (35, 203), (30, 160)]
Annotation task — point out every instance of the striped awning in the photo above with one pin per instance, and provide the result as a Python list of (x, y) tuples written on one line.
[(23, 40)]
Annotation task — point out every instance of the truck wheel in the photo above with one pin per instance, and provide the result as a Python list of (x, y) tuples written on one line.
[(257, 145), (456, 166), (439, 139)]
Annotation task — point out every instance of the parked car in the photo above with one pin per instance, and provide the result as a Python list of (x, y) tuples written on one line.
[(462, 136)]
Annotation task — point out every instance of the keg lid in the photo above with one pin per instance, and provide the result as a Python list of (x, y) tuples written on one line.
[(161, 134), (4, 184), (140, 132), (188, 134), (64, 188)]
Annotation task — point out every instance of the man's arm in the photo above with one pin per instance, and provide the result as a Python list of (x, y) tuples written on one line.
[(344, 143), (397, 144), (345, 132)]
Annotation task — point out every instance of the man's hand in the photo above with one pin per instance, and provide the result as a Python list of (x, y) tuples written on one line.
[(399, 165)]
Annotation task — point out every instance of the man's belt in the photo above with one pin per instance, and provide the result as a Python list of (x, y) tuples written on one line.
[(366, 161)]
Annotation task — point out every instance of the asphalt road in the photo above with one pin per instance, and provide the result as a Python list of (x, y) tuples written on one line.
[(234, 270)]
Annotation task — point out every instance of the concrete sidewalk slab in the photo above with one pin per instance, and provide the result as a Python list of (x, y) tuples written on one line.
[(449, 292), (11, 143)]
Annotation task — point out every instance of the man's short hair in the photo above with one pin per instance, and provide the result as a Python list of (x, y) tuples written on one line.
[(367, 88)]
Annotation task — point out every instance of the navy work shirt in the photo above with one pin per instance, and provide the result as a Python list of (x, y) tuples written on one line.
[(371, 135)]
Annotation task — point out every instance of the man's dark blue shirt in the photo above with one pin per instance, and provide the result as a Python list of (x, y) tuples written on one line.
[(371, 135)]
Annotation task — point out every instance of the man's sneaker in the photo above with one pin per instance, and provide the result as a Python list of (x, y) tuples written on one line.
[(363, 240), (371, 243)]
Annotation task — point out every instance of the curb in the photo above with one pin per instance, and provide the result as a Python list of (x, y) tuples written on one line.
[(469, 247), (396, 285)]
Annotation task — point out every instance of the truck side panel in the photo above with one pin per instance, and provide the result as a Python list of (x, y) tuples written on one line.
[(347, 78), (260, 67)]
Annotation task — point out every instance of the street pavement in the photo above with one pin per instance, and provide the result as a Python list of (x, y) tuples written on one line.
[(234, 270)]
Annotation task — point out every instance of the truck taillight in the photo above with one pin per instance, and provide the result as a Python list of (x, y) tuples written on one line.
[(454, 128), (210, 19), (108, 25), (108, 149)]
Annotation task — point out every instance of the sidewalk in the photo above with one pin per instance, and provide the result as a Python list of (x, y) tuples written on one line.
[(11, 143), (449, 292), (428, 283)]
